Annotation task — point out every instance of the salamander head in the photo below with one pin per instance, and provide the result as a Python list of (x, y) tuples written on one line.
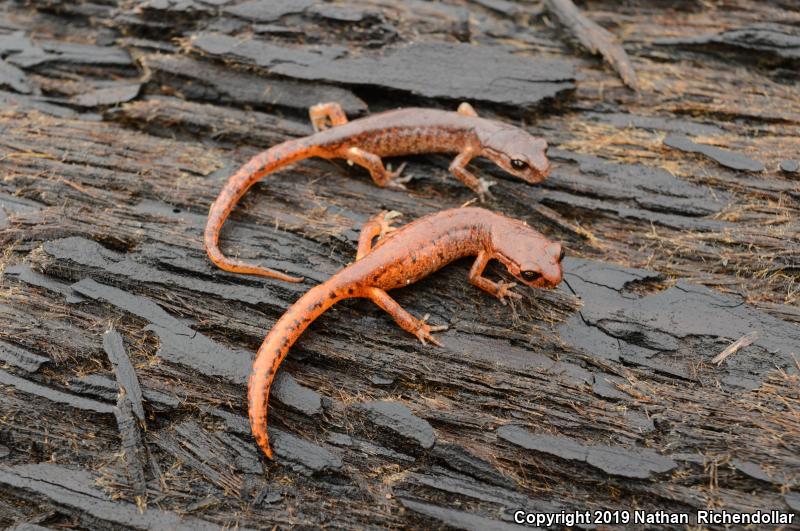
[(519, 153), (528, 255)]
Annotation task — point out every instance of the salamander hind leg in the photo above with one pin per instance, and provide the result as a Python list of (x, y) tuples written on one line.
[(466, 109), (378, 226), (409, 323), (373, 164), (323, 113), (501, 289)]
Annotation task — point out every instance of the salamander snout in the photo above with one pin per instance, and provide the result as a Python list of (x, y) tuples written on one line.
[(552, 271), (537, 160)]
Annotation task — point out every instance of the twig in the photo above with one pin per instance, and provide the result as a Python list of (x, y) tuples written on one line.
[(595, 39), (742, 342)]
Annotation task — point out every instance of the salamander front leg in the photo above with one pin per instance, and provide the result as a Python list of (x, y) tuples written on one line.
[(501, 289), (407, 322), (459, 168), (373, 164), (379, 226), (323, 113)]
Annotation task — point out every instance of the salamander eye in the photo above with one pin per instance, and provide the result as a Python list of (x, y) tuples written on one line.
[(561, 255), (530, 276), (518, 164)]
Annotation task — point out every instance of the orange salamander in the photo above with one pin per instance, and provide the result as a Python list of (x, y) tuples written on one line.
[(402, 258), (364, 141)]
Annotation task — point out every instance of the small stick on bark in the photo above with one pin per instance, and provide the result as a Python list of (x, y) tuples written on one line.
[(595, 38), (742, 342)]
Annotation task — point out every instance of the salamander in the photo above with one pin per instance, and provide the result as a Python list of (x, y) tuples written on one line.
[(403, 257), (364, 141)]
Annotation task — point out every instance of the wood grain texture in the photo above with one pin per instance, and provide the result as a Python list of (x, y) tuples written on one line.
[(599, 395)]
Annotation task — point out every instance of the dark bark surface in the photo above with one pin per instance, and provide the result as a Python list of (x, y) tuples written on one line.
[(124, 352)]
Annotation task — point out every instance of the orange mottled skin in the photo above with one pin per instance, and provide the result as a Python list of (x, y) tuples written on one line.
[(366, 140), (402, 258)]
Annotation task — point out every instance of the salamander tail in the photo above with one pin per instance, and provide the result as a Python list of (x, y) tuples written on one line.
[(235, 266), (259, 166), (275, 348)]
